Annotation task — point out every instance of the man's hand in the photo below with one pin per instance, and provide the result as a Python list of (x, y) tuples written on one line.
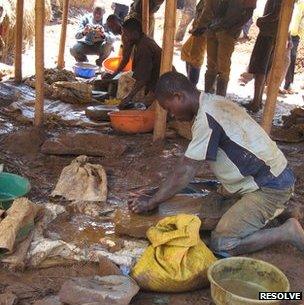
[(125, 103), (180, 177), (141, 204), (86, 30), (107, 76), (197, 31), (259, 22)]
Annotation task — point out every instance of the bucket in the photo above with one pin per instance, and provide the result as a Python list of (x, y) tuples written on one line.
[(12, 187), (85, 70), (238, 281)]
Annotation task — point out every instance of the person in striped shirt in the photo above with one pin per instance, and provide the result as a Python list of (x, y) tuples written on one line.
[(248, 164)]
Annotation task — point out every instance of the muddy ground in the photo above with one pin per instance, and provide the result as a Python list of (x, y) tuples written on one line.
[(142, 165)]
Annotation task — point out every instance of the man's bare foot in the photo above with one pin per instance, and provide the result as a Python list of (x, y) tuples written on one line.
[(296, 233), (142, 204), (253, 107)]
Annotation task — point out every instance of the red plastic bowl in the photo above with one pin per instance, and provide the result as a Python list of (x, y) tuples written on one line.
[(133, 121)]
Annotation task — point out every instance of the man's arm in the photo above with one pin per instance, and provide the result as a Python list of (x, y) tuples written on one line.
[(82, 28), (274, 15), (139, 84), (126, 55), (182, 174), (203, 19), (237, 14)]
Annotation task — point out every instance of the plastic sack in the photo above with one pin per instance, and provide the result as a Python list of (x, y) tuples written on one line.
[(193, 50), (82, 181), (177, 260)]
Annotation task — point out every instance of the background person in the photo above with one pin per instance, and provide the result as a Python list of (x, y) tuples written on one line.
[(92, 38)]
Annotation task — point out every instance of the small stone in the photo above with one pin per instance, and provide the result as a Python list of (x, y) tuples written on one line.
[(51, 300), (107, 267), (107, 290)]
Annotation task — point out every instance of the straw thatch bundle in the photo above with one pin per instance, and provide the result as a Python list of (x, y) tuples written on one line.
[(8, 21)]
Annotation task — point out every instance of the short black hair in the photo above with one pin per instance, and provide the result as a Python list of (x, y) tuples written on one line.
[(114, 17), (133, 25), (170, 83)]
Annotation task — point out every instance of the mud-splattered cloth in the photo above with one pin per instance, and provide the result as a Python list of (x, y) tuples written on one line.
[(241, 154)]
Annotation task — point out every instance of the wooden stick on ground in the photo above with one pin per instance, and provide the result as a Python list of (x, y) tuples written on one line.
[(64, 25), (18, 40), (278, 64), (145, 16), (166, 64), (39, 61)]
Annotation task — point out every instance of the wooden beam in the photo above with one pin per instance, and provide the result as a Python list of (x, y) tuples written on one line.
[(166, 65), (145, 16), (278, 64), (18, 40), (60, 63), (39, 61)]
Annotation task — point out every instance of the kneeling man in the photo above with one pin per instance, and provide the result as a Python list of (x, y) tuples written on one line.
[(243, 158)]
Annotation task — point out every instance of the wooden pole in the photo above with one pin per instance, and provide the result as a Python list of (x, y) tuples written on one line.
[(278, 64), (18, 40), (60, 63), (145, 16), (39, 61), (166, 65)]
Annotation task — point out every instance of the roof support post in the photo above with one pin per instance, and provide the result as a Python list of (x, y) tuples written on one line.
[(18, 40), (166, 65), (39, 61), (278, 63), (60, 62)]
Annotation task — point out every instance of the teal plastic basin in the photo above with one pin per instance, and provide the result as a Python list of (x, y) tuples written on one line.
[(12, 187)]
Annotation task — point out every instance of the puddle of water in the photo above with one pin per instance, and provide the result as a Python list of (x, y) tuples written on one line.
[(241, 288), (81, 229)]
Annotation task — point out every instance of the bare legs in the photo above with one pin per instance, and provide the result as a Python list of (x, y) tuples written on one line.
[(290, 232), (259, 86)]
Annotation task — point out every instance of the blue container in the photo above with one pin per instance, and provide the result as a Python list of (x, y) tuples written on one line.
[(12, 187), (85, 70)]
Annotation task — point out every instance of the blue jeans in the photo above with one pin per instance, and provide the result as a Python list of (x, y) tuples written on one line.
[(80, 50)]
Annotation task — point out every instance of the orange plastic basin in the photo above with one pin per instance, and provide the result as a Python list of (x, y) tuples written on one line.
[(133, 121), (111, 64)]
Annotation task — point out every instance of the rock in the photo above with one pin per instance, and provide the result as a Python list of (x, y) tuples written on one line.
[(208, 208), (106, 267), (112, 244), (107, 290), (8, 298), (90, 144), (26, 141), (52, 300)]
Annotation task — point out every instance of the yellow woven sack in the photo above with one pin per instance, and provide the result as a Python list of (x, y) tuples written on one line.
[(193, 50), (177, 260)]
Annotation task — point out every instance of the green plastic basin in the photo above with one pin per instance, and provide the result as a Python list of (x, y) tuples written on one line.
[(12, 187)]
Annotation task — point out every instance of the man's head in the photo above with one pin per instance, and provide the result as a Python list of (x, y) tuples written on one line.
[(98, 11), (131, 30), (114, 23), (177, 95)]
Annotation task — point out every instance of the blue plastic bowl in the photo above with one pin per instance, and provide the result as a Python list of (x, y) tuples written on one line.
[(85, 70)]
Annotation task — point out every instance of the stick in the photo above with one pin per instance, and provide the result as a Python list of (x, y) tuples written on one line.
[(61, 63), (18, 40), (166, 65), (39, 61), (145, 16), (278, 64)]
